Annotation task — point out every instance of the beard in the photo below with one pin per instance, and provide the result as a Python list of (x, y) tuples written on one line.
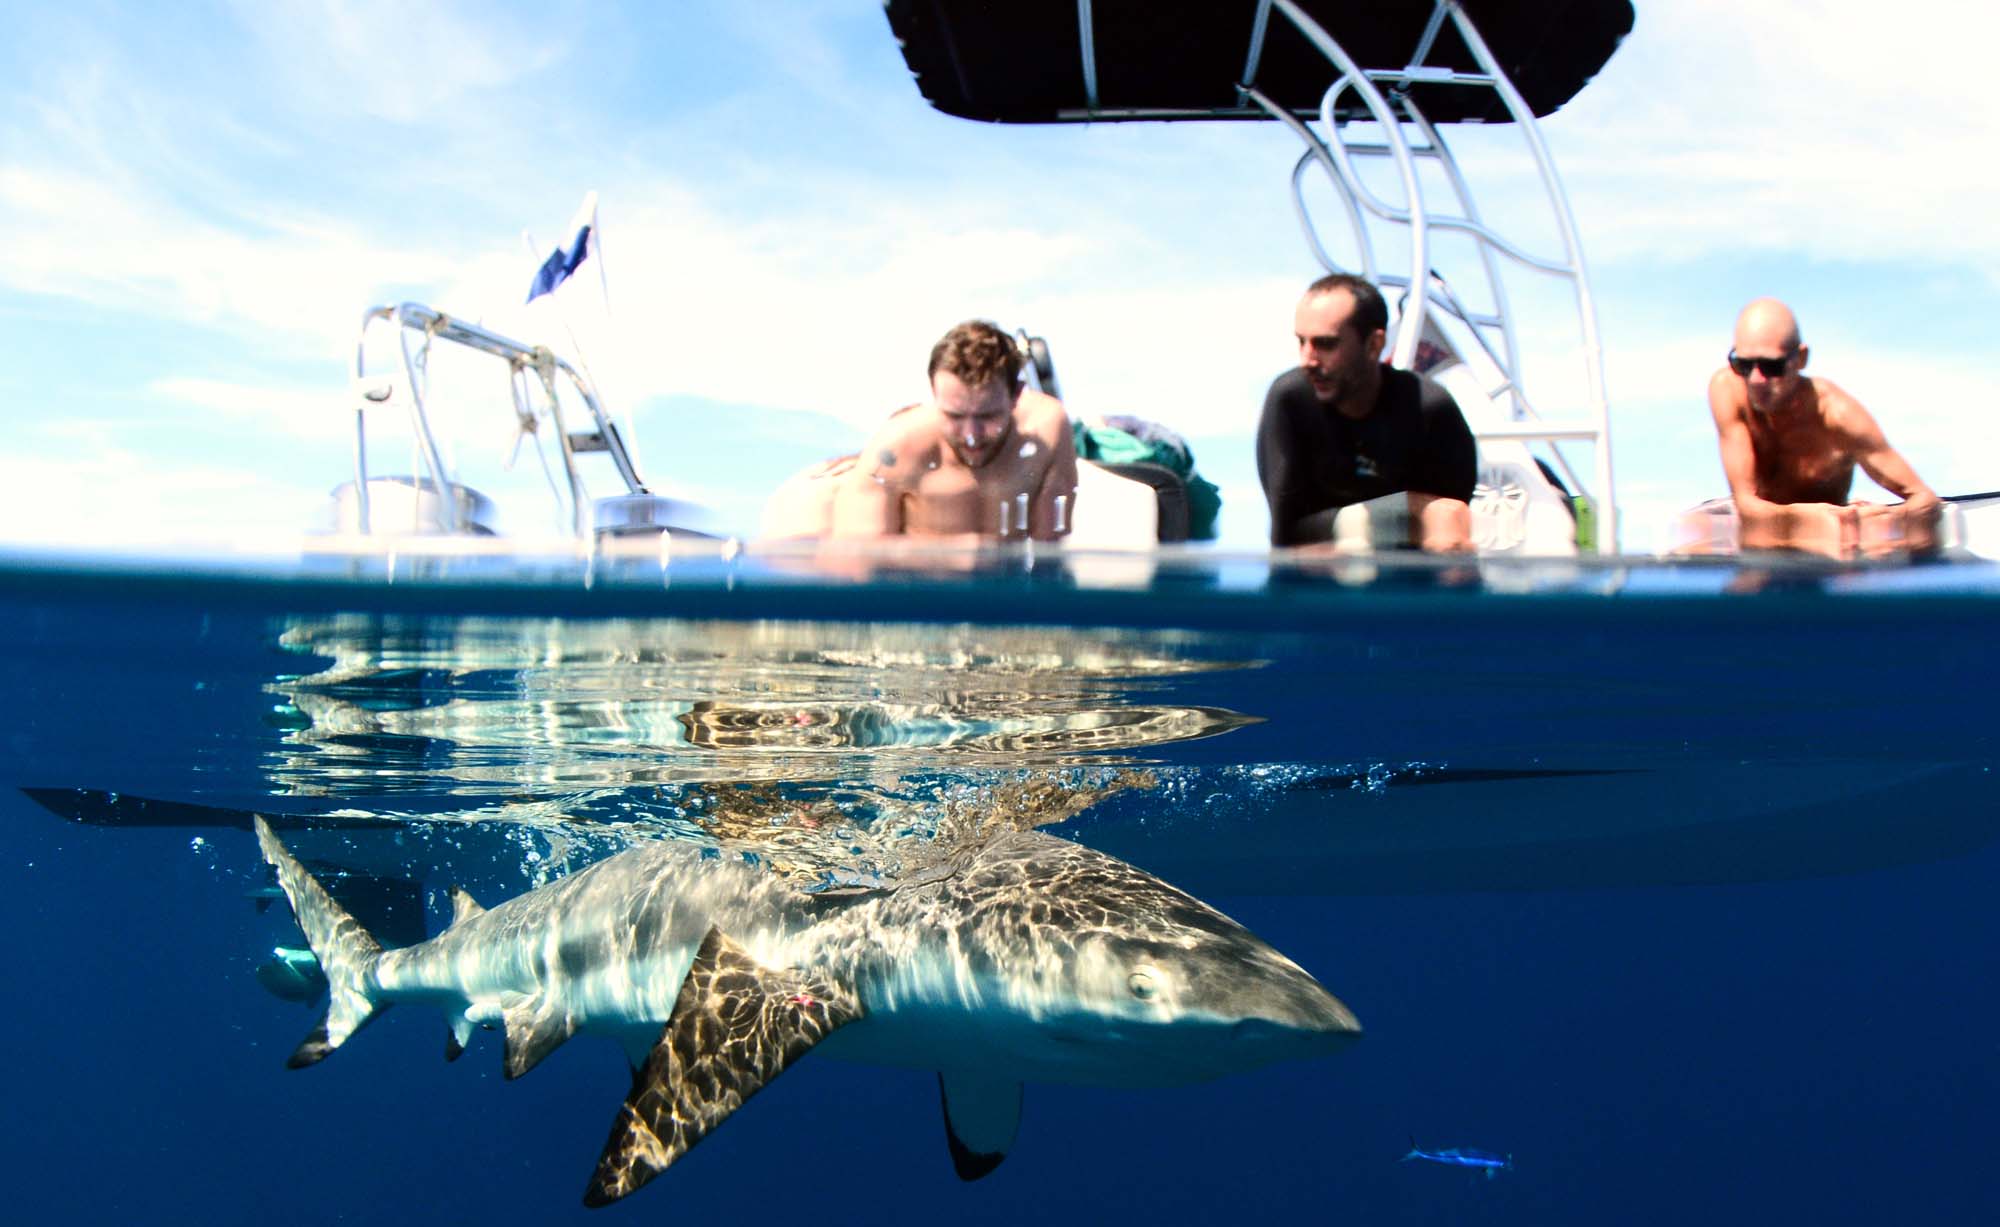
[(978, 456), (1334, 389)]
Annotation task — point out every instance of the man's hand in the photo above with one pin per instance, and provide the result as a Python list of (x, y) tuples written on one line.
[(1440, 525), (1909, 526), (1827, 529)]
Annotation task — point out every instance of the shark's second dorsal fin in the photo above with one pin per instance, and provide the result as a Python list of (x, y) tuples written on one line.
[(981, 1117), (735, 1026), (463, 906)]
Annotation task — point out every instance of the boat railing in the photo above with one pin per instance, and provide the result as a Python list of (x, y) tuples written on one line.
[(1407, 139), (535, 375)]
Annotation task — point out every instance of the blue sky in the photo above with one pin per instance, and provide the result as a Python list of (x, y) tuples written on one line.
[(199, 202)]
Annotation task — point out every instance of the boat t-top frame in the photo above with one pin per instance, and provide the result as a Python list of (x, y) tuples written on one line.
[(1432, 65), (535, 375)]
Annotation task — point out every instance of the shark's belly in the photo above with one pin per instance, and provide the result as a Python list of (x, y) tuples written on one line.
[(1007, 1046), (612, 993)]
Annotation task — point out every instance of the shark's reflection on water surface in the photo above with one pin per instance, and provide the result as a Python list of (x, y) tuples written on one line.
[(500, 707)]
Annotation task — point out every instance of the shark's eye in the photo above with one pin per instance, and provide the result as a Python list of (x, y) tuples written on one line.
[(1142, 984)]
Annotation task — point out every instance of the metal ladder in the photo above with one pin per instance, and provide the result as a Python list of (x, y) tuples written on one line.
[(1425, 295)]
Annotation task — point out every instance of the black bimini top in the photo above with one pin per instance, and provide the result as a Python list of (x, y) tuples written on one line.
[(1067, 61)]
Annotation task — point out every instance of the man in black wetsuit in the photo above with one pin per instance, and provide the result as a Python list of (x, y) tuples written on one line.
[(1343, 428)]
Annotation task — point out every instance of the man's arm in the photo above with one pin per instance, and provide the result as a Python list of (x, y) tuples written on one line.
[(1872, 452), (1281, 448), (1914, 523), (1727, 405), (1052, 428), (1441, 492), (869, 502)]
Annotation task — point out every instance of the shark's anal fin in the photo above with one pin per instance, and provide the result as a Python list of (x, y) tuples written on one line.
[(981, 1117), (735, 1026), (458, 1033), (534, 1030)]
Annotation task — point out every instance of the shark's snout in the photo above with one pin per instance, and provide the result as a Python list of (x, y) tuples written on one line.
[(1338, 1020), (1288, 997), (1319, 1015)]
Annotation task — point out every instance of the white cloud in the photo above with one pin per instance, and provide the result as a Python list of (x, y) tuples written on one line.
[(296, 285), (314, 415), (1819, 129), (115, 496), (398, 61)]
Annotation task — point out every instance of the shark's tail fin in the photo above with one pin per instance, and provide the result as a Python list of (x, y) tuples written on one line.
[(345, 950)]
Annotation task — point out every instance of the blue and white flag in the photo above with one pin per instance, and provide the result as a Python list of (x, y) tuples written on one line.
[(570, 252)]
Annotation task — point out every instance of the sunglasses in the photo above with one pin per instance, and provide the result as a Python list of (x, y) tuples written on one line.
[(1772, 367)]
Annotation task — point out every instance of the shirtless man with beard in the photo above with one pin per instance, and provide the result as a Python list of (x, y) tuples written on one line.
[(984, 458), (1790, 443)]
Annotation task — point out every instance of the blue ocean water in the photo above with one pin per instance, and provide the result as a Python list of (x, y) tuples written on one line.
[(1672, 883)]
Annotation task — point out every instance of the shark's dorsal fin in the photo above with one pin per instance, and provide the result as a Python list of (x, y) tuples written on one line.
[(463, 906), (735, 1026), (981, 1117), (534, 1030)]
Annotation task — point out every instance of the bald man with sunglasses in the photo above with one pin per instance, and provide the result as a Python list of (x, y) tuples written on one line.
[(1790, 442)]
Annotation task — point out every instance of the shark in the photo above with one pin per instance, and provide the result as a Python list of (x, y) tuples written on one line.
[(1026, 958)]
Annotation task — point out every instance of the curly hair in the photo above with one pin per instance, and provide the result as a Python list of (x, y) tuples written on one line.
[(978, 353)]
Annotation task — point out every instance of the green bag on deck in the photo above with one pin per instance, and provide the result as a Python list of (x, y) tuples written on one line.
[(1121, 439)]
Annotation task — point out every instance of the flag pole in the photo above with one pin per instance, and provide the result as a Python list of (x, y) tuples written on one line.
[(593, 245)]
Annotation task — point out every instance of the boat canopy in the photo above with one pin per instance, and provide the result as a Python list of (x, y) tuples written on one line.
[(1073, 61)]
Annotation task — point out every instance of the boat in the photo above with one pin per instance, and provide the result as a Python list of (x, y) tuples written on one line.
[(1372, 88), (1370, 92), (1360, 86), (556, 409)]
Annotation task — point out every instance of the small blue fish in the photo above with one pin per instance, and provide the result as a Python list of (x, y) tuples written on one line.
[(1463, 1156)]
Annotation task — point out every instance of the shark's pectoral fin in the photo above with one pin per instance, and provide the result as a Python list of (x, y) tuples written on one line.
[(735, 1026), (981, 1117), (534, 1030)]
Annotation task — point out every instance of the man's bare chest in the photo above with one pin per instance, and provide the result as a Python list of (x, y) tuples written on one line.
[(990, 499), (1797, 458)]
